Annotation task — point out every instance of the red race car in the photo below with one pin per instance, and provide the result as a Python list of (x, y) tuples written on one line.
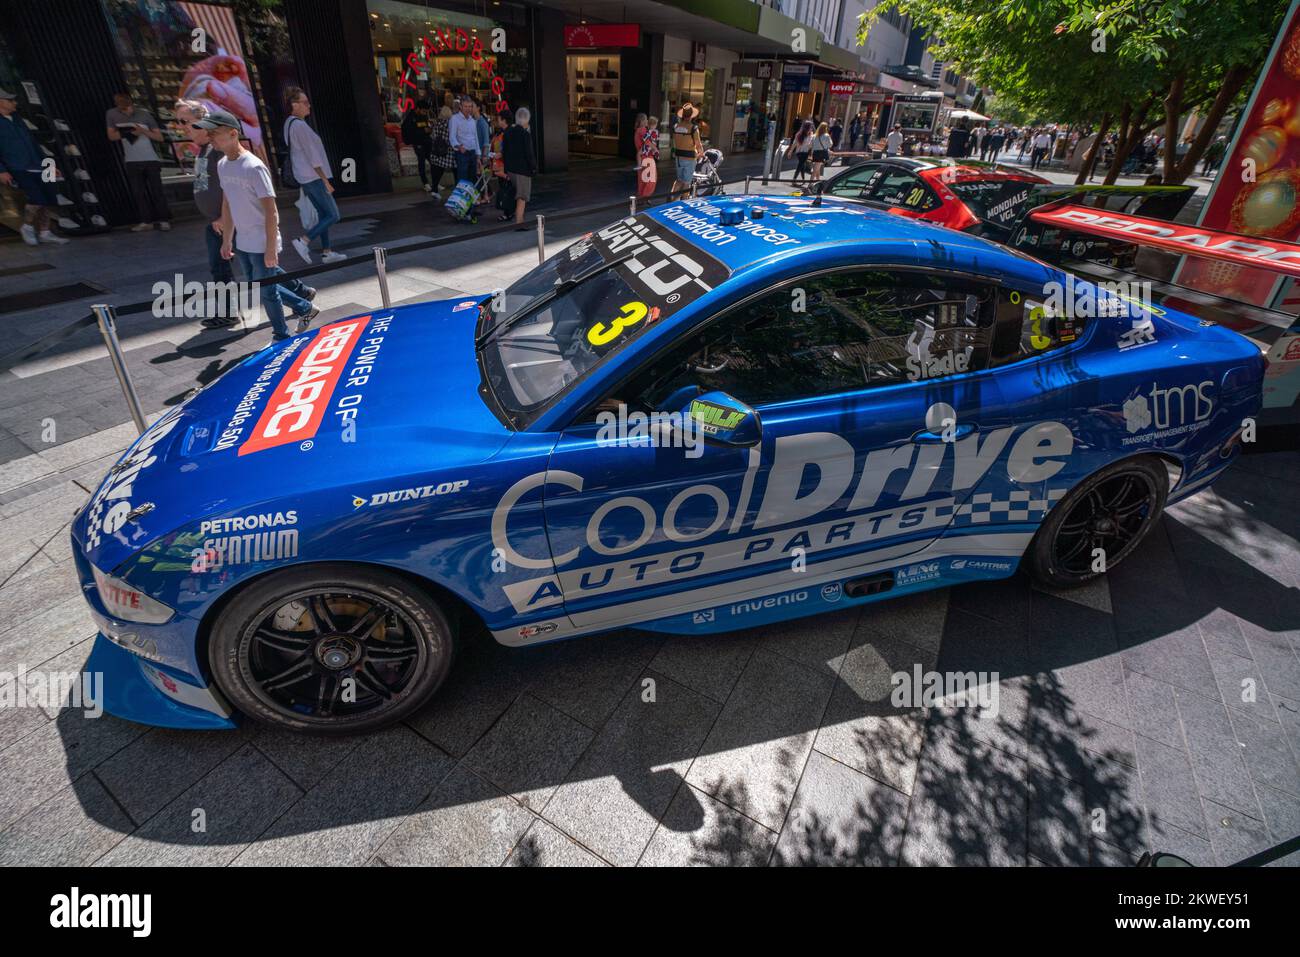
[(987, 199)]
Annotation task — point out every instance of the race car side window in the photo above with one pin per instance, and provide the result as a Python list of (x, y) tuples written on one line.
[(855, 184), (839, 332), (905, 190), (1029, 326)]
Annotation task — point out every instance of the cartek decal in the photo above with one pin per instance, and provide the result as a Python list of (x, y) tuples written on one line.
[(296, 407), (411, 494), (112, 502), (713, 418), (978, 565), (1172, 411)]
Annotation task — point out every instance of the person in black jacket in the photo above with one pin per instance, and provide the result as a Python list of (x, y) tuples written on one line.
[(417, 129), (520, 161)]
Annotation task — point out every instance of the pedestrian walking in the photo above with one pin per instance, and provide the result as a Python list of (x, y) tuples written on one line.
[(417, 130), (484, 131), (648, 152), (687, 146), (837, 133), (208, 198), (855, 131), (441, 158), (823, 143), (1042, 144), (137, 131), (20, 167), (520, 162), (463, 133), (995, 143), (894, 141), (250, 224), (802, 145), (958, 137), (311, 168)]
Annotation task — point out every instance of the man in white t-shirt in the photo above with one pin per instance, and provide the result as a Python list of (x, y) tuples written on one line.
[(1042, 143), (138, 131), (894, 141), (250, 223)]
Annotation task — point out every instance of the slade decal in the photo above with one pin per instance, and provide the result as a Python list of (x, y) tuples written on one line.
[(297, 406), (1037, 454)]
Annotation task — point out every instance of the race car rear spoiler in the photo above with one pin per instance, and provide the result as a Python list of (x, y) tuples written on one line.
[(1259, 252)]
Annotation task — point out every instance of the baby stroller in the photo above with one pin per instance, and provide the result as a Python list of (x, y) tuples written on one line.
[(706, 180), (463, 200)]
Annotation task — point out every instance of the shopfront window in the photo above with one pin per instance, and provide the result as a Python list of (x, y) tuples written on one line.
[(683, 85), (594, 80), (454, 61), (157, 41)]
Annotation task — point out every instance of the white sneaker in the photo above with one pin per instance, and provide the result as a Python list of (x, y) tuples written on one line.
[(428, 188), (332, 257), (29, 234), (53, 240), (165, 227), (300, 246), (141, 227)]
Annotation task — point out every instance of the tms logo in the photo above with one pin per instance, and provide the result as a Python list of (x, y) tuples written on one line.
[(1169, 408)]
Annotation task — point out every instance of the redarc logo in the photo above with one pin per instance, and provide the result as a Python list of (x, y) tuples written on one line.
[(297, 406)]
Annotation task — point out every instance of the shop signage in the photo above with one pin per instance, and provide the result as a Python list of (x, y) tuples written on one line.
[(794, 83), (699, 56), (764, 70), (587, 35), (841, 87), (446, 41)]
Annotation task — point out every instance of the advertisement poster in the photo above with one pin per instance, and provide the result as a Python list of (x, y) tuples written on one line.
[(1267, 143)]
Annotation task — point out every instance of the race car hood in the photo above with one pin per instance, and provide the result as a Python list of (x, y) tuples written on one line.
[(391, 393)]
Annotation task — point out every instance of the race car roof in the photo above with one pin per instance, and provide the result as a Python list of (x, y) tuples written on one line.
[(792, 223)]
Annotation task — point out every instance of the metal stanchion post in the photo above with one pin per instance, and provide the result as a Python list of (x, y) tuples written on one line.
[(381, 267), (541, 238), (108, 329), (631, 204), (747, 179)]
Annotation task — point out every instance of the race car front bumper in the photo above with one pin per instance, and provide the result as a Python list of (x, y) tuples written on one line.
[(141, 691)]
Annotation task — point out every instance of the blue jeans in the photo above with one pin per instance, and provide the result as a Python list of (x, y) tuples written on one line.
[(274, 298), (466, 166), (326, 209)]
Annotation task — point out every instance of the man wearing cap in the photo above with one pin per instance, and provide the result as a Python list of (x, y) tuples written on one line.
[(20, 167), (250, 222), (207, 197)]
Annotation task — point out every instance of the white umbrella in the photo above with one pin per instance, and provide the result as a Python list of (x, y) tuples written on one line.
[(966, 115)]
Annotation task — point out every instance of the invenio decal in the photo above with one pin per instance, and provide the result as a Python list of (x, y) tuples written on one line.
[(297, 406)]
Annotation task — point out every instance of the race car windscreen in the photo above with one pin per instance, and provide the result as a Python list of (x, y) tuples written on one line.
[(582, 306), (995, 202)]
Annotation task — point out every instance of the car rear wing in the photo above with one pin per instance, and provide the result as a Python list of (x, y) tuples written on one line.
[(1256, 252)]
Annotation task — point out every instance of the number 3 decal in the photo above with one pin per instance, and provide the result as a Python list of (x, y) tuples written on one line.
[(1037, 339), (602, 335)]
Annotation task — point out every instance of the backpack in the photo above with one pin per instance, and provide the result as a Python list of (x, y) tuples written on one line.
[(441, 144), (287, 179)]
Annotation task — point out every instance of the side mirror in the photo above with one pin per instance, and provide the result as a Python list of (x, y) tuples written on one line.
[(721, 420)]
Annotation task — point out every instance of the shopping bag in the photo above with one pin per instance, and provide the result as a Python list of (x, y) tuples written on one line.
[(306, 211)]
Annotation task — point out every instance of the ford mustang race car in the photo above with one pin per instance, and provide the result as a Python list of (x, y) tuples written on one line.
[(712, 415)]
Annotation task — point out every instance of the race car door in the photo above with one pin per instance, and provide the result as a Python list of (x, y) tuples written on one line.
[(878, 418)]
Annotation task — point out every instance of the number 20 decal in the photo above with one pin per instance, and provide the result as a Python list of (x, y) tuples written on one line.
[(601, 334)]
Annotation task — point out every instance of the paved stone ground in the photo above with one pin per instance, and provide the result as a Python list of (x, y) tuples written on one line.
[(1159, 708)]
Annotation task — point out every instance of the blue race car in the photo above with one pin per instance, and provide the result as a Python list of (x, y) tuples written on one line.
[(717, 414)]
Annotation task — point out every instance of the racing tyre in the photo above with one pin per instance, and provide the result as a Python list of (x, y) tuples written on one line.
[(1112, 510), (333, 649)]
